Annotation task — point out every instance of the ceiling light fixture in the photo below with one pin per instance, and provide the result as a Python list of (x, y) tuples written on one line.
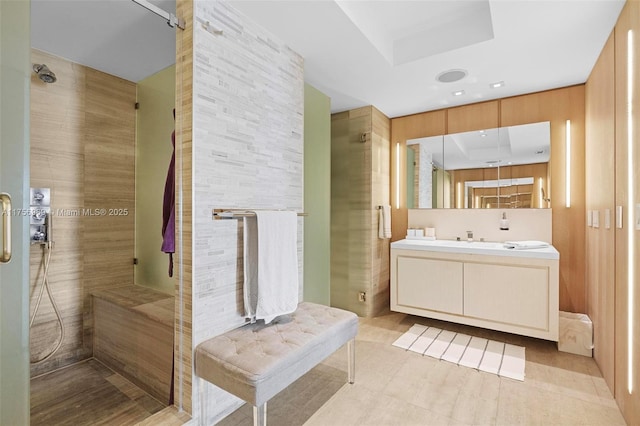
[(458, 93), (450, 76), (496, 84)]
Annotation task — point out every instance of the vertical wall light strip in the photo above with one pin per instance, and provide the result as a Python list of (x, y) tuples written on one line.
[(630, 214), (397, 175), (567, 166)]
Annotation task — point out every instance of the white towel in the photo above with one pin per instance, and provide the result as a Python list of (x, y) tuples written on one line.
[(525, 245), (270, 264), (384, 222)]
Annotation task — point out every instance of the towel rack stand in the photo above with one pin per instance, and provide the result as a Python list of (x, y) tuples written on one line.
[(218, 214)]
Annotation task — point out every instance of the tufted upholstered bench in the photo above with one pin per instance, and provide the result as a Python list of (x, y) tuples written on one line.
[(255, 362)]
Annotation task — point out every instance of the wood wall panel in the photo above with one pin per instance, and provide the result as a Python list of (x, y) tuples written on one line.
[(629, 403), (600, 196), (555, 106), (82, 147), (473, 117)]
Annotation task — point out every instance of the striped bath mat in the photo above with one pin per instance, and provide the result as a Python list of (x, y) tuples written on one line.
[(494, 357)]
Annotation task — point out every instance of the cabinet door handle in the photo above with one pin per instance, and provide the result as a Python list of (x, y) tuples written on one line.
[(5, 255)]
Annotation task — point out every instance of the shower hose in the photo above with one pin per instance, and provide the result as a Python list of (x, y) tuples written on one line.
[(48, 248)]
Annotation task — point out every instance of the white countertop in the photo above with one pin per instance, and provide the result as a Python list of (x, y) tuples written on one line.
[(476, 247)]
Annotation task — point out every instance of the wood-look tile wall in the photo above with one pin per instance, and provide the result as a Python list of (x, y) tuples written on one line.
[(133, 329), (248, 104), (82, 147), (183, 360), (380, 195), (555, 106), (359, 183)]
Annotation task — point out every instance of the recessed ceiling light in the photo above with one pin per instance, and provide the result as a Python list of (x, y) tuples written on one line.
[(458, 93), (450, 76), (496, 84)]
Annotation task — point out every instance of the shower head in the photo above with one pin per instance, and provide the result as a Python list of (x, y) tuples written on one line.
[(44, 73)]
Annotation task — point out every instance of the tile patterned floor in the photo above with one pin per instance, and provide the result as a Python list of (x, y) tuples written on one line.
[(393, 387), (88, 393), (397, 387)]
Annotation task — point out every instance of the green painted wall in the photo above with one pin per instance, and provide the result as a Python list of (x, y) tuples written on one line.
[(317, 195), (156, 96)]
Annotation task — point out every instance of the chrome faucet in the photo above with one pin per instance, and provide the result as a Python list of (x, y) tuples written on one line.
[(469, 236)]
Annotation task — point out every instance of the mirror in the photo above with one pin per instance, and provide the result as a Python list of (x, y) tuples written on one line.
[(493, 168)]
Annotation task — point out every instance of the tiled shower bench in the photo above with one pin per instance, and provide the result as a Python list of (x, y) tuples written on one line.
[(255, 362), (133, 335)]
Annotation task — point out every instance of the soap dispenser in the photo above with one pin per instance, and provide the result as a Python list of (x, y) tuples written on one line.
[(504, 223)]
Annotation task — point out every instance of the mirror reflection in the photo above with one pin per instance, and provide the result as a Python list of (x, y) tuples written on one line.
[(493, 168)]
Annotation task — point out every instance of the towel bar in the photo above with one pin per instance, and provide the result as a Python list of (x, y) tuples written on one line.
[(218, 214)]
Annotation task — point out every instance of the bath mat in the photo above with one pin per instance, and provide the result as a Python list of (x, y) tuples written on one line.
[(486, 355)]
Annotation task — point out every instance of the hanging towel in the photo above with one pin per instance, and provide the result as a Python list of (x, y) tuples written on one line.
[(270, 264), (169, 207), (384, 222)]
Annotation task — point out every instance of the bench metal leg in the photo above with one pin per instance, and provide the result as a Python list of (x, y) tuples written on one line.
[(260, 415), (351, 360)]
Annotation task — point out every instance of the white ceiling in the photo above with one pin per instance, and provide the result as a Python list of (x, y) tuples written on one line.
[(381, 53), (118, 37)]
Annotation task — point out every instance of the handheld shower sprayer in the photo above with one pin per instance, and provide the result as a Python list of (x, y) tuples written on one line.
[(41, 232)]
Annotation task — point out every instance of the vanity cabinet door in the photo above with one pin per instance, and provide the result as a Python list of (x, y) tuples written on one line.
[(515, 295), (430, 284)]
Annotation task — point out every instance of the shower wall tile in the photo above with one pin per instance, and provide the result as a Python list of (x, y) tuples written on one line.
[(359, 183), (248, 102), (82, 147)]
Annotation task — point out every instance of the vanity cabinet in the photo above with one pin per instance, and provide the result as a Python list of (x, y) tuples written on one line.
[(431, 284), (506, 293)]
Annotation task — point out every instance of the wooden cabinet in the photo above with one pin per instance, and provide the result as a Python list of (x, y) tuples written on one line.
[(513, 294)]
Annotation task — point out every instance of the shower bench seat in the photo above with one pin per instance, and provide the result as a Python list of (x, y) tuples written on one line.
[(133, 335), (257, 361)]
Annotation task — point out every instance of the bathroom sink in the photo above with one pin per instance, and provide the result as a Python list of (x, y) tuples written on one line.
[(475, 247)]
